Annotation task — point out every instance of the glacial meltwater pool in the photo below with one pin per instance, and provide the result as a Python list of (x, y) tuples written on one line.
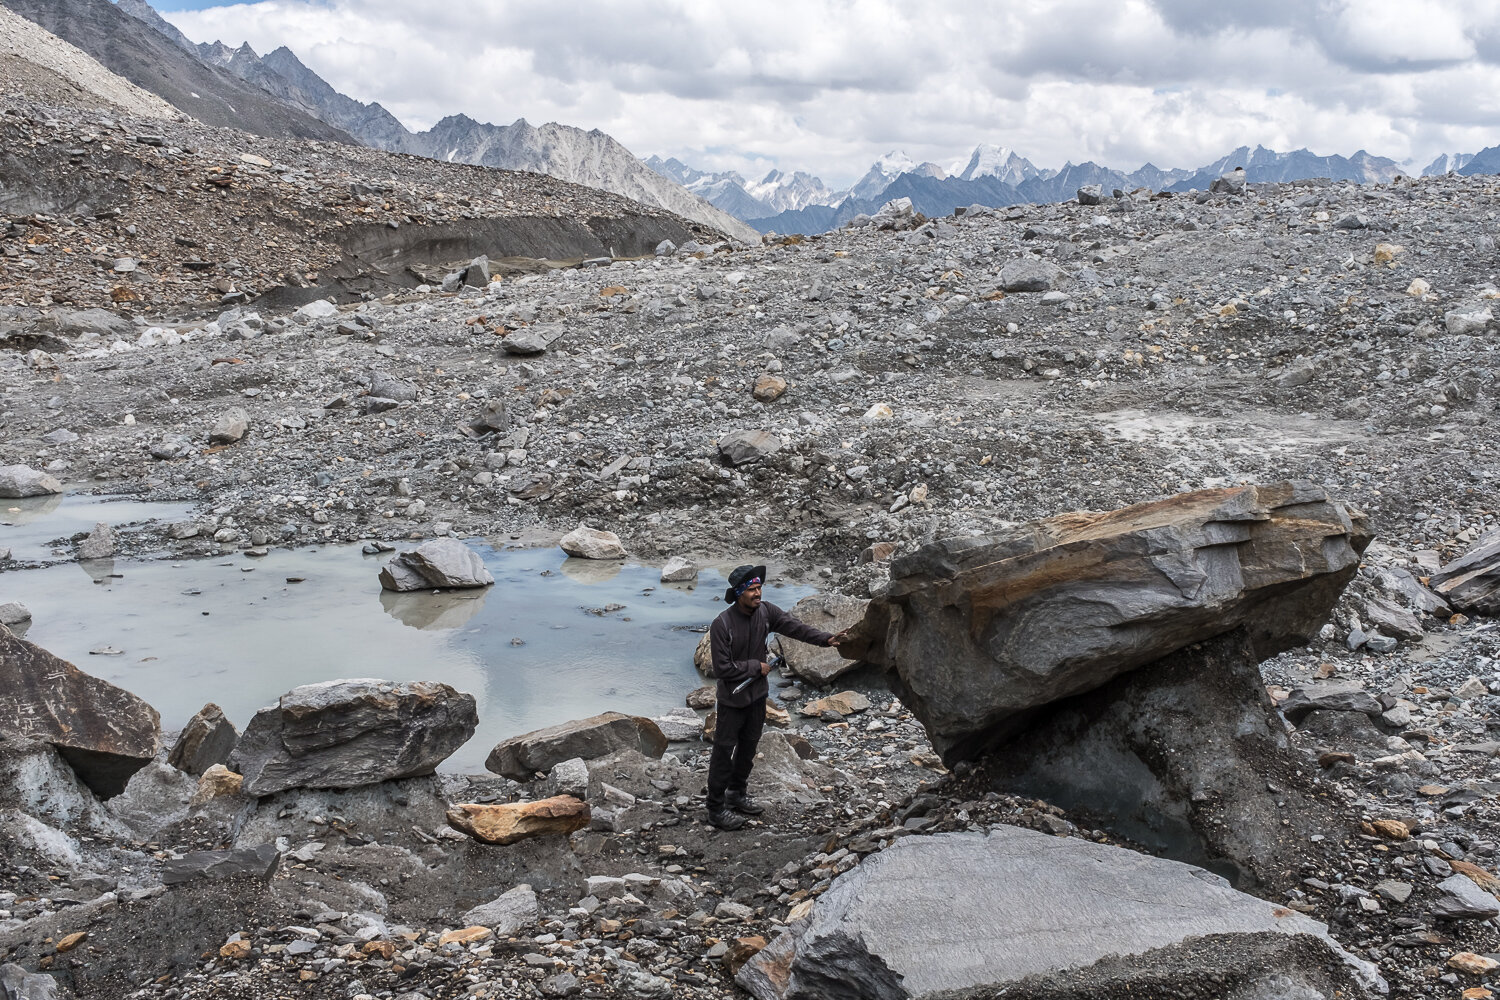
[(554, 639)]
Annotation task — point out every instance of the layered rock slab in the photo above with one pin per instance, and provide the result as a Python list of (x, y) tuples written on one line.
[(522, 757), (105, 733), (981, 631), (347, 733), (1472, 582), (966, 914)]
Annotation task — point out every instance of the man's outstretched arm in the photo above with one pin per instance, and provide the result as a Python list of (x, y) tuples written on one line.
[(784, 624)]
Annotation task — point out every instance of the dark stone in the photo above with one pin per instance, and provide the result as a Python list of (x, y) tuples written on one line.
[(521, 757), (242, 862), (206, 740)]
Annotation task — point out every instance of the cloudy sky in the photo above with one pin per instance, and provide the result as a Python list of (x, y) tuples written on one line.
[(829, 85)]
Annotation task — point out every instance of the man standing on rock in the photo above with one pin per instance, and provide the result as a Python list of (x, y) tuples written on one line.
[(738, 641)]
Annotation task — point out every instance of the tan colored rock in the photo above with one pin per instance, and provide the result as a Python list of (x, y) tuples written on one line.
[(1479, 876), (215, 783), (508, 823), (703, 657), (584, 542), (1391, 829), (465, 935), (769, 388), (742, 950), (703, 697), (73, 940), (844, 703), (982, 630), (235, 950), (1464, 961)]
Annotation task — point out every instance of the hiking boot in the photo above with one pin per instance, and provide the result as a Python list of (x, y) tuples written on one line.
[(725, 820), (741, 802)]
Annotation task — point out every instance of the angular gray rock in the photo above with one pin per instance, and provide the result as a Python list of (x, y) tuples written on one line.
[(441, 562), (979, 630), (100, 543), (347, 733), (831, 613), (1460, 899), (18, 984), (385, 386), (14, 613), (1392, 619), (1332, 696), (208, 739), (1230, 183), (104, 733), (258, 863), (1471, 582), (19, 481), (232, 425), (584, 542), (679, 569), (739, 447), (521, 757), (1091, 194), (507, 914), (964, 914), (680, 724), (1029, 274), (529, 340)]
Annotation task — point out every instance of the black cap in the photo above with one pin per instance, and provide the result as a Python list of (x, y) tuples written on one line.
[(738, 577)]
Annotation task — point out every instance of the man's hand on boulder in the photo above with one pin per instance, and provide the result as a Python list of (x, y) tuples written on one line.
[(839, 638), (765, 668)]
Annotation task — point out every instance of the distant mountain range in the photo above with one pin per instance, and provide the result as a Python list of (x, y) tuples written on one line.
[(279, 96), (997, 175)]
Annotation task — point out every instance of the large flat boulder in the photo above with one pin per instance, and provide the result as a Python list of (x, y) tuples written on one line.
[(831, 613), (964, 914), (980, 631), (347, 733), (105, 733), (1471, 582), (521, 757), (512, 822), (442, 562), (24, 481)]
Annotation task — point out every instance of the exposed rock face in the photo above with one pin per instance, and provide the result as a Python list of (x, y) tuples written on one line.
[(1176, 756), (511, 822), (1472, 582), (521, 757), (206, 740), (831, 613), (442, 562), (342, 734), (1336, 696), (243, 862), (104, 733), (926, 918), (979, 631), (24, 481)]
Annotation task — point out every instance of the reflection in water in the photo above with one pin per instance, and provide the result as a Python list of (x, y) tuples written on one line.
[(99, 570), (28, 527), (30, 509), (591, 571), (541, 646), (426, 609)]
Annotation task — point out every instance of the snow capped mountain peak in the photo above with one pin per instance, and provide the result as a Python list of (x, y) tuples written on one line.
[(894, 164)]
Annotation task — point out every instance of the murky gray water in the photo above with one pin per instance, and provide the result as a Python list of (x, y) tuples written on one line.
[(535, 649), (28, 527)]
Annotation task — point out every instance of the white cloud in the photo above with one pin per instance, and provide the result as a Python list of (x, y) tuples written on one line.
[(828, 85)]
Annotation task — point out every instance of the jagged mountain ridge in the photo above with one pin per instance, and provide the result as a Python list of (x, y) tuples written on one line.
[(591, 158), (142, 53)]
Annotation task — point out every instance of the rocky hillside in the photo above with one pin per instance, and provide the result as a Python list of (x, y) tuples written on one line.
[(30, 51)]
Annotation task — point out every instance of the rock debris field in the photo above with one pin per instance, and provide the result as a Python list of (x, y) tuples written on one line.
[(876, 409)]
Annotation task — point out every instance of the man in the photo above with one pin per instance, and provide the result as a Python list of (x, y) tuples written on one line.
[(738, 641)]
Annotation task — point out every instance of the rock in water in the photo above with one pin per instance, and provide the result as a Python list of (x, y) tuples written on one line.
[(442, 562), (980, 630), (342, 734), (511, 822), (592, 543), (206, 740), (104, 733), (679, 569), (1471, 582), (100, 543), (23, 481), (963, 914), (521, 757), (831, 613)]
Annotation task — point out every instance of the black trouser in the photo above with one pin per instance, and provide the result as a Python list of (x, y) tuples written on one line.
[(736, 734)]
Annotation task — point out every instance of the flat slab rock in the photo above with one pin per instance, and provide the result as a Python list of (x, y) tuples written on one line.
[(1472, 582), (442, 562), (953, 913), (979, 630), (513, 822), (347, 733), (105, 733), (521, 757), (243, 862)]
